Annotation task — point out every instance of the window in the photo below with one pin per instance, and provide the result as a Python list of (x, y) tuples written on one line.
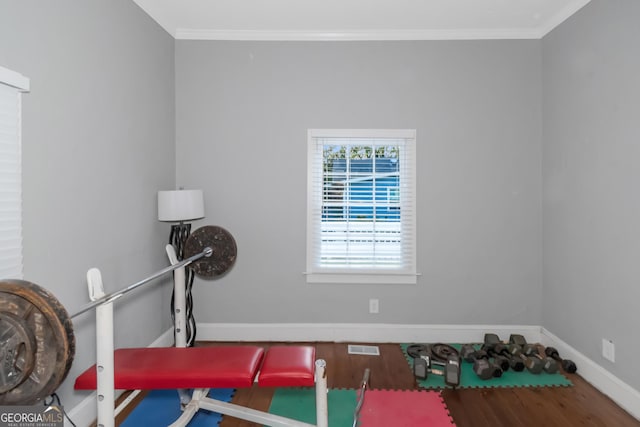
[(11, 86), (361, 206)]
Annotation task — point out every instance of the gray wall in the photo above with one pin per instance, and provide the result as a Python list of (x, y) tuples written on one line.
[(98, 143), (591, 146), (242, 113)]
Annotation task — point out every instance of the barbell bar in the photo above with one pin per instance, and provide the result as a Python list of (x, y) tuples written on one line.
[(37, 342), (207, 252)]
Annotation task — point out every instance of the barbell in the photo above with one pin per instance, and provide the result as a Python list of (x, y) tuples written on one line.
[(37, 342)]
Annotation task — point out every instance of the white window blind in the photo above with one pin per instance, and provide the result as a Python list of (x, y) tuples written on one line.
[(361, 206), (11, 86)]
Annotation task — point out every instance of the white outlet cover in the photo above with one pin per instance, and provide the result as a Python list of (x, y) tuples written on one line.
[(374, 306), (608, 350)]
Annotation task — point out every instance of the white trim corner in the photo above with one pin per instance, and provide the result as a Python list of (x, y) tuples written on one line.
[(14, 79), (620, 392)]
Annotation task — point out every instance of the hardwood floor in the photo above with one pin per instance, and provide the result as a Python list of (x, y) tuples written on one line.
[(580, 405)]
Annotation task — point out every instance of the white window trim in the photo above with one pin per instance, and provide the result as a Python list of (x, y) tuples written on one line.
[(313, 275), (13, 79), (12, 85)]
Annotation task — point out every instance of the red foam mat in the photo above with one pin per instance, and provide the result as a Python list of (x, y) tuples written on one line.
[(404, 408)]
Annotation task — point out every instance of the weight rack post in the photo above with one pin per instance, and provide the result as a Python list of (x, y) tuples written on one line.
[(105, 392)]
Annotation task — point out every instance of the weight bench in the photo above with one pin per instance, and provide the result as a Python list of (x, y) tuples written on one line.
[(197, 368), (211, 367)]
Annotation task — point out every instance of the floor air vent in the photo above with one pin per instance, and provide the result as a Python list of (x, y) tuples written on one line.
[(367, 350)]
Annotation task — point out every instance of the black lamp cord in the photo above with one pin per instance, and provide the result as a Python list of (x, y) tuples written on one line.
[(191, 321), (177, 238), (56, 398)]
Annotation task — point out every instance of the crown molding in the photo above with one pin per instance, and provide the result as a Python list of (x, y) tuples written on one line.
[(356, 35), (186, 29), (562, 16)]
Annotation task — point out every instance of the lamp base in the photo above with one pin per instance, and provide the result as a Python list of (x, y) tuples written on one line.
[(177, 238)]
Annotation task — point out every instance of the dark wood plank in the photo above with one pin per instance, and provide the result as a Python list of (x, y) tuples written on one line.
[(580, 405)]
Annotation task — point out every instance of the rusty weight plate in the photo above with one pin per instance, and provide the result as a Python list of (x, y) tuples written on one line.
[(223, 246), (17, 351), (38, 344)]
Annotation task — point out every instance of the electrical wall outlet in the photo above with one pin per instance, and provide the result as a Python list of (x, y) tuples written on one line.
[(608, 350), (374, 306)]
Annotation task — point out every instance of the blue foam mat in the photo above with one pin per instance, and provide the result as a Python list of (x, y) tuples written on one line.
[(162, 407)]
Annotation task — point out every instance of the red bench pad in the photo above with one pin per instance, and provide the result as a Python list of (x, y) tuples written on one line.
[(173, 368), (288, 366)]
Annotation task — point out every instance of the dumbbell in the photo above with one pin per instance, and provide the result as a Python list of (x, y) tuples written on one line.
[(424, 361), (549, 365), (533, 364), (521, 342), (514, 362), (482, 366), (448, 358), (421, 360), (497, 358), (493, 345), (567, 364), (452, 368)]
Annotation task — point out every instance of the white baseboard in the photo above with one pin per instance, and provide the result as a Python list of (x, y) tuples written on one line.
[(620, 392), (84, 413), (359, 332)]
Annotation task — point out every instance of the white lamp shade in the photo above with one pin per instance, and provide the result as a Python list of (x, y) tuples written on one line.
[(180, 205)]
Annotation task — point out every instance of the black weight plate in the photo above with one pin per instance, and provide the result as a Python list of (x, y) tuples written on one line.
[(442, 352), (222, 244), (417, 350)]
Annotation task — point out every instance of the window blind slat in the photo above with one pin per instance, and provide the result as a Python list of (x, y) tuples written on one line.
[(10, 183), (361, 205)]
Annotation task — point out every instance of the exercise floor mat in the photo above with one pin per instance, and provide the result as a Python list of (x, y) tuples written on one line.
[(510, 378), (300, 404), (404, 408), (381, 408), (162, 407)]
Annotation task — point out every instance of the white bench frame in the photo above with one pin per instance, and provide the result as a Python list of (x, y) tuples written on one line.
[(105, 370)]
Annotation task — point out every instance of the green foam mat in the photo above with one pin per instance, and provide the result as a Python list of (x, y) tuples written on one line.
[(300, 404), (468, 379)]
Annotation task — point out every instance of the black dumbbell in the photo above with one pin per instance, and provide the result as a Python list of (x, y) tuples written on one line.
[(514, 362), (482, 366), (494, 346), (421, 360), (420, 368), (497, 358), (520, 341), (567, 364), (549, 365), (451, 370), (533, 364), (424, 362)]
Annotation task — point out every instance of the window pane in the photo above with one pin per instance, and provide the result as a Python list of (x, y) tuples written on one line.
[(361, 203)]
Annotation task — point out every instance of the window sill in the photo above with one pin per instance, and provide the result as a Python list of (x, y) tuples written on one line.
[(367, 279)]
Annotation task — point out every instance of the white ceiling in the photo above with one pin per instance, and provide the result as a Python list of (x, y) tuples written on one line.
[(359, 19)]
